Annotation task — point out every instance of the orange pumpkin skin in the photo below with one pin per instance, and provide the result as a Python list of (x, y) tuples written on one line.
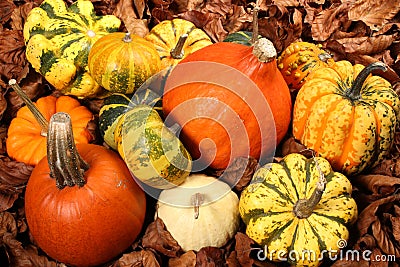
[(90, 225), (24, 140), (268, 80)]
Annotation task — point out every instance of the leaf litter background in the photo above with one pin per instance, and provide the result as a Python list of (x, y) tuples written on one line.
[(361, 31)]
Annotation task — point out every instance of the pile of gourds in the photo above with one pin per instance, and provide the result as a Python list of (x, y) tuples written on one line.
[(215, 102)]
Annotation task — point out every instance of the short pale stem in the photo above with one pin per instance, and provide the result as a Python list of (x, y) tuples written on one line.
[(196, 201), (354, 92), (304, 207), (255, 24), (177, 52), (44, 125), (127, 38), (65, 164)]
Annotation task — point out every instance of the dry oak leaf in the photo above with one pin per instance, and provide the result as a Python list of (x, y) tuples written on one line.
[(158, 238), (20, 14), (374, 13), (210, 257), (6, 9), (377, 220), (145, 258), (133, 14), (188, 259)]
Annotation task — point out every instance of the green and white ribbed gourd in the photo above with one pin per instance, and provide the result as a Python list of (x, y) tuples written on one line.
[(117, 104), (151, 151)]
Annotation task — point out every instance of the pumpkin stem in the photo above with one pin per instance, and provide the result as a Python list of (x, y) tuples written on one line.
[(304, 207), (354, 93), (264, 50), (127, 38), (255, 24), (44, 125), (197, 200), (65, 164), (177, 52)]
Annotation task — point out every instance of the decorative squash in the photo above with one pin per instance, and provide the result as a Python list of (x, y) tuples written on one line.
[(347, 116), (151, 151), (117, 104), (58, 40), (95, 212), (233, 95), (298, 205), (26, 136), (300, 59), (241, 37), (122, 62), (175, 39), (202, 212)]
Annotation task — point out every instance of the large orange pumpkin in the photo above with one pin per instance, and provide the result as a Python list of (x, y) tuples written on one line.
[(26, 141), (232, 95), (95, 212)]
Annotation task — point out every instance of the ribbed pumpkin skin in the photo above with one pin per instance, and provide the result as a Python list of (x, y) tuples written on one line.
[(266, 207), (299, 59), (123, 66), (24, 140), (240, 37), (58, 40), (151, 151), (90, 225), (117, 104), (165, 36), (269, 81), (352, 134)]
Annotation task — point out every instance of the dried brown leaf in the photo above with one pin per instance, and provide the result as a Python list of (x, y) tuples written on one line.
[(7, 225), (6, 9), (26, 257), (198, 18), (133, 14), (158, 238), (187, 259), (3, 107), (210, 257), (145, 258), (13, 173), (327, 21), (374, 13), (291, 145), (366, 45), (239, 173), (376, 184), (20, 14), (243, 249), (12, 49), (104, 7)]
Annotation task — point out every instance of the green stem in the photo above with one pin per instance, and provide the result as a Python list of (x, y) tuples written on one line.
[(65, 163), (177, 52), (354, 92), (44, 125)]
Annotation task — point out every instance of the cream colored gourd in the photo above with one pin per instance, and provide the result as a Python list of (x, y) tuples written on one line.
[(213, 223)]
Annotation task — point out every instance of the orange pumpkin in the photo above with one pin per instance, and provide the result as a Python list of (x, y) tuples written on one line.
[(233, 95), (26, 138), (95, 212)]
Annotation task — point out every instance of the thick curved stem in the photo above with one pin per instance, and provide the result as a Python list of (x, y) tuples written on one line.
[(197, 200), (44, 125), (354, 92), (177, 52), (65, 164), (304, 207)]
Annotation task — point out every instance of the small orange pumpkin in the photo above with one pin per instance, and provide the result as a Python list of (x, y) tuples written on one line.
[(95, 212), (26, 136)]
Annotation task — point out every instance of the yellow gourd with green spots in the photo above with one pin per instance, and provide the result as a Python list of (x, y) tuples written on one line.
[(58, 40), (347, 115), (298, 205)]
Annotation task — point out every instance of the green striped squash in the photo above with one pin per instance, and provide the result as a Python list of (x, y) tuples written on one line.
[(117, 104), (298, 205), (122, 62), (151, 151), (58, 40), (240, 37)]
